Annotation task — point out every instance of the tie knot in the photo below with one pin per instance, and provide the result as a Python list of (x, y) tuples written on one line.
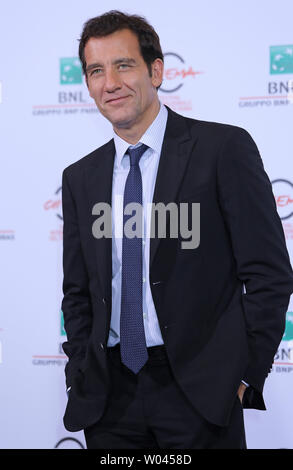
[(136, 153)]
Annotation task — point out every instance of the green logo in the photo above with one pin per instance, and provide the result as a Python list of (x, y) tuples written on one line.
[(288, 335), (70, 71), (62, 331), (281, 59)]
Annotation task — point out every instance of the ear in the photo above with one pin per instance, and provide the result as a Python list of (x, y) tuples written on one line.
[(157, 72)]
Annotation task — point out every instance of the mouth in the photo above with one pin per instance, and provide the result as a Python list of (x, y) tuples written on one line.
[(117, 100)]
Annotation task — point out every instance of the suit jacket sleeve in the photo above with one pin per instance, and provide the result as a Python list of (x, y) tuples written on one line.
[(259, 248), (76, 303)]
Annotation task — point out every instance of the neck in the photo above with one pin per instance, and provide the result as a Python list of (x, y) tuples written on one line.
[(133, 133)]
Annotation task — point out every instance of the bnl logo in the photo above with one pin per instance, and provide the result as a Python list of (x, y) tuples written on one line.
[(281, 59), (62, 330), (70, 71), (288, 335)]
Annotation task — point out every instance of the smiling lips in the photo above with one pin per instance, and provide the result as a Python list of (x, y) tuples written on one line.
[(117, 100)]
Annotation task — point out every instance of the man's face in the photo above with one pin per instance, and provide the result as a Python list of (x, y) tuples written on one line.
[(118, 78)]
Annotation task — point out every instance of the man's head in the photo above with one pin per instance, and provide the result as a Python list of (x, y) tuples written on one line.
[(123, 63)]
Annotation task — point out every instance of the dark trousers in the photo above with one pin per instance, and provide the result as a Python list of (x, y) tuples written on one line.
[(149, 411)]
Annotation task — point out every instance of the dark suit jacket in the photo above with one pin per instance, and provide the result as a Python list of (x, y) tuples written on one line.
[(215, 333)]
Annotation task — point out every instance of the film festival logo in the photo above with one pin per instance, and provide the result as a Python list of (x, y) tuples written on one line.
[(161, 225), (279, 91), (176, 72), (54, 206), (283, 192)]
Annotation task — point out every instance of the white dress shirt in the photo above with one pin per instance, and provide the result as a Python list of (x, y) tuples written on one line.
[(153, 138)]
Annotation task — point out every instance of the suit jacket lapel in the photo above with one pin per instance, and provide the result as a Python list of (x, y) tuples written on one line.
[(176, 150)]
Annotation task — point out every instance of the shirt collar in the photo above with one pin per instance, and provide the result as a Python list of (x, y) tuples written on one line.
[(153, 136)]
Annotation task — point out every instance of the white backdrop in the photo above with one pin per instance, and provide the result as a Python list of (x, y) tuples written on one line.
[(222, 64)]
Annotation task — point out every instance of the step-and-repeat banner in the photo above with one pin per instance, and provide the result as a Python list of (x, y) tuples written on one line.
[(225, 61)]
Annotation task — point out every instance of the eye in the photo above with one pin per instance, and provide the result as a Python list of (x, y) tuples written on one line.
[(96, 71), (123, 66)]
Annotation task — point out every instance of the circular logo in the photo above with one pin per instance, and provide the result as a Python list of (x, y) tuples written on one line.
[(55, 204), (57, 192), (69, 443), (172, 72), (283, 192)]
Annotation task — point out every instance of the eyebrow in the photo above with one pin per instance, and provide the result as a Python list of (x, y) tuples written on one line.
[(123, 60)]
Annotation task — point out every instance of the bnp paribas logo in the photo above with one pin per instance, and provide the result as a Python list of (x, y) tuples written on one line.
[(281, 59), (288, 335), (62, 330), (70, 71)]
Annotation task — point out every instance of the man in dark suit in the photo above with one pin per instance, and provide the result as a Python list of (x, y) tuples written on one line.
[(166, 344)]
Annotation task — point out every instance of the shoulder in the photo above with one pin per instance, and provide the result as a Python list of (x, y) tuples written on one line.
[(218, 131), (90, 160)]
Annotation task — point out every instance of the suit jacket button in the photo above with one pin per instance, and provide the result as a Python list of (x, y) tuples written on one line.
[(102, 346), (104, 301)]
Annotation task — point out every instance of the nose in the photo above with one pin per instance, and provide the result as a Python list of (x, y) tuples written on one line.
[(112, 81)]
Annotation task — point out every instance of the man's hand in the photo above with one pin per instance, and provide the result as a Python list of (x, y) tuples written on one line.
[(241, 391)]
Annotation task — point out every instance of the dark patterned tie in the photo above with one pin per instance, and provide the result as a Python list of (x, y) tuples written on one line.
[(133, 347)]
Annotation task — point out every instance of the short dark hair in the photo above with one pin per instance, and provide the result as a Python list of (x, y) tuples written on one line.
[(115, 20)]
